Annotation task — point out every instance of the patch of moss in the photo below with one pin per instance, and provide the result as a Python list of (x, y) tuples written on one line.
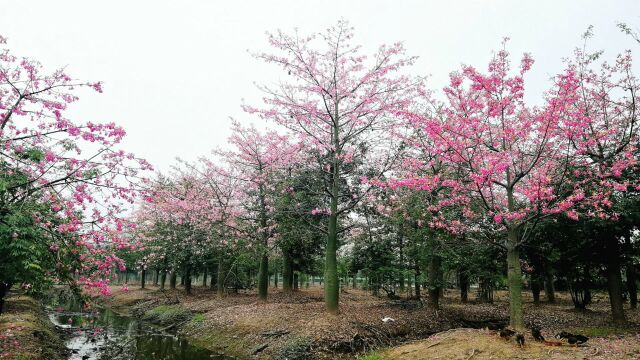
[(167, 314), (296, 348)]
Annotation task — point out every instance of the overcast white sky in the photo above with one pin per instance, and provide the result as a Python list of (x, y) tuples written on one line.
[(175, 71)]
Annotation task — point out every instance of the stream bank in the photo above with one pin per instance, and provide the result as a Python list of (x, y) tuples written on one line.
[(26, 333)]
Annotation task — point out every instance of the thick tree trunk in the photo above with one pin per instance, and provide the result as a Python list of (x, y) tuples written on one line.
[(173, 279), (535, 290), (549, 289), (163, 279), (212, 281), (435, 281), (263, 272), (156, 277), (263, 278), (331, 286), (614, 280), (463, 282), (295, 281), (220, 281), (514, 279), (187, 280), (143, 275), (204, 278), (287, 273), (4, 290)]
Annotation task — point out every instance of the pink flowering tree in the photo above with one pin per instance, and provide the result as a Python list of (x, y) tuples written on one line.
[(340, 104), (260, 161), (515, 163), (73, 168)]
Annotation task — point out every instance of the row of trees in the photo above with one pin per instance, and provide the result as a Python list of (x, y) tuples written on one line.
[(408, 181)]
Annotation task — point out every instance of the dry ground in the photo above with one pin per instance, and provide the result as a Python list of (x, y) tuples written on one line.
[(237, 324)]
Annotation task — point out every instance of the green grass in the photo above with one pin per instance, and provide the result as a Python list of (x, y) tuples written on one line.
[(371, 356), (198, 318)]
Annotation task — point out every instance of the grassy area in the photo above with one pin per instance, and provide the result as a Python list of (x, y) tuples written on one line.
[(26, 333), (167, 314)]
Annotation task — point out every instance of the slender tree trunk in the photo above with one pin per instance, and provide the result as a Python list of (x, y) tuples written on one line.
[(275, 279), (220, 281), (355, 280), (614, 280), (173, 279), (435, 284), (401, 251), (156, 277), (417, 282), (143, 274), (514, 278), (163, 279), (632, 277), (287, 272), (295, 281)]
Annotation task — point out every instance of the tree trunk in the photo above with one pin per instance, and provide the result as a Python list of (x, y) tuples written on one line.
[(4, 290), (331, 286), (632, 286), (463, 282), (549, 289), (287, 273), (401, 251), (173, 279), (143, 275), (514, 278), (163, 279), (632, 277), (220, 281), (535, 289), (204, 278), (263, 278), (435, 281), (614, 280), (156, 277), (187, 280), (417, 282), (275, 279), (295, 281)]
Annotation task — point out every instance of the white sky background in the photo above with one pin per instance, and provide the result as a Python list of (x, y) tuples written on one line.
[(174, 72)]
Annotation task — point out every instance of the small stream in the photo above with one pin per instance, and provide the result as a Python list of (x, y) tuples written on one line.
[(104, 334)]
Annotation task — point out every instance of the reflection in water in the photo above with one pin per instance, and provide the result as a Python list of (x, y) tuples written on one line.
[(107, 335)]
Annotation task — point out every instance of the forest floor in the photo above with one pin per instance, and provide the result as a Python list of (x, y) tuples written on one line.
[(289, 324), (26, 332)]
